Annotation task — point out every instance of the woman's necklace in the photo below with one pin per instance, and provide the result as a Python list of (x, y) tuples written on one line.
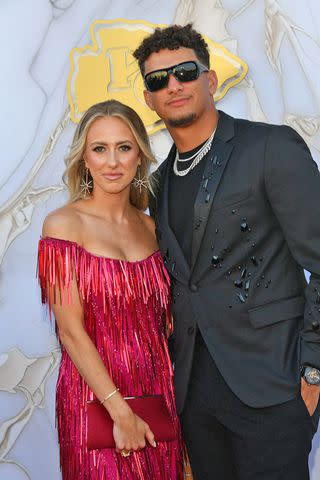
[(198, 156)]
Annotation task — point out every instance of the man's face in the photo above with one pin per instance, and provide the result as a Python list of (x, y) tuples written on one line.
[(180, 103)]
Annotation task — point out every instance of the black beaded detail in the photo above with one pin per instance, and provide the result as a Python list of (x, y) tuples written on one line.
[(197, 223), (215, 260), (254, 261), (241, 297), (243, 273)]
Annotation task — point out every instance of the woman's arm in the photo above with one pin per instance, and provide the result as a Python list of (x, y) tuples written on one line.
[(129, 430)]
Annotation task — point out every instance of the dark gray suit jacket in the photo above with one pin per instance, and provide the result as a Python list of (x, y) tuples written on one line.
[(256, 227)]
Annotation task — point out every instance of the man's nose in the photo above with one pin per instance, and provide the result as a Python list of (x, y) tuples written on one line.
[(173, 84)]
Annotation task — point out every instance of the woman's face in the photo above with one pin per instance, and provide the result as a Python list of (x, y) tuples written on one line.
[(111, 154)]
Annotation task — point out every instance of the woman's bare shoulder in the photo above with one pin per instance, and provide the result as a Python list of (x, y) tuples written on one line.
[(64, 223)]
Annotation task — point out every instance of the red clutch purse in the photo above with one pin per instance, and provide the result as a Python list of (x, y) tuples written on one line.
[(152, 409)]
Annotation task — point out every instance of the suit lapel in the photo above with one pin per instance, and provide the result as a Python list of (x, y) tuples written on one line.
[(215, 165), (172, 253)]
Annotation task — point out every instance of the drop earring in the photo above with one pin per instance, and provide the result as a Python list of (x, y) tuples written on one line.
[(139, 182), (86, 184)]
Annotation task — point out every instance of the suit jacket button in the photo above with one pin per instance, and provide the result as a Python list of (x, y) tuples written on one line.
[(191, 330), (315, 325), (193, 287)]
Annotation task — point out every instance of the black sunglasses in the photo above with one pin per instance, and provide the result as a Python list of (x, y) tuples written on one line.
[(183, 72)]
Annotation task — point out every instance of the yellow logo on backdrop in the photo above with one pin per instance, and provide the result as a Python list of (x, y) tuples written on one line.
[(107, 69)]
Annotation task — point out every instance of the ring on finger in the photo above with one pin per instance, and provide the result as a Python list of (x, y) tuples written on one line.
[(125, 453)]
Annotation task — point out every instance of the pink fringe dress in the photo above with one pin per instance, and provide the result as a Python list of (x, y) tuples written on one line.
[(126, 308)]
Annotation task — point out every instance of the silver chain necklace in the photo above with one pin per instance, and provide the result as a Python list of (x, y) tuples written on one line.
[(198, 156)]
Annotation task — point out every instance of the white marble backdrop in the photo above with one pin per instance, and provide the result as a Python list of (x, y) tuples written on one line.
[(279, 39)]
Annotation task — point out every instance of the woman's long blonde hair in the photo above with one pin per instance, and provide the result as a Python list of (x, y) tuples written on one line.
[(75, 171)]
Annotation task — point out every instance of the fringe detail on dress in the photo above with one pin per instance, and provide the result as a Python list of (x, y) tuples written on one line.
[(126, 314), (61, 261)]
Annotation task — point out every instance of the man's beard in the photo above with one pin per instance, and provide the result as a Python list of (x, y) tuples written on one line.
[(183, 121)]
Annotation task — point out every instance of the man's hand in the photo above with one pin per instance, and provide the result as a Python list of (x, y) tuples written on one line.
[(310, 395)]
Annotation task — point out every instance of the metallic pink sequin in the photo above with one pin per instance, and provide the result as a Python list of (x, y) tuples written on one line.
[(126, 310)]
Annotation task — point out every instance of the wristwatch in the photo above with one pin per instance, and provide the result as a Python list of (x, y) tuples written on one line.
[(311, 375)]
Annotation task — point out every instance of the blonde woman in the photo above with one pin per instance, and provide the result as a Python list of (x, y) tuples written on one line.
[(102, 274)]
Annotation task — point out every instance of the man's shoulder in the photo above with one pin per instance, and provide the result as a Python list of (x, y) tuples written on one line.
[(253, 127), (270, 133), (158, 173), (156, 176)]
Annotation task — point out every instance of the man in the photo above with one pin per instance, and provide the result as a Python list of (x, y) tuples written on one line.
[(237, 210)]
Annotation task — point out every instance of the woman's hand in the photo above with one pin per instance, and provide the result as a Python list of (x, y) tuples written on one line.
[(130, 432)]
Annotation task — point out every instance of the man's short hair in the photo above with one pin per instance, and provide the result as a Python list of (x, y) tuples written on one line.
[(172, 38)]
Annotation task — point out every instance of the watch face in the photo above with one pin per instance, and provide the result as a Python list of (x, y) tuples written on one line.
[(312, 376)]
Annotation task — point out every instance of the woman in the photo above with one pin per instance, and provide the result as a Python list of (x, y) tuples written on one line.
[(101, 273)]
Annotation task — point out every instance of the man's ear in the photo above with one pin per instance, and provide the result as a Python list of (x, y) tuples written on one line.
[(148, 99), (213, 81)]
